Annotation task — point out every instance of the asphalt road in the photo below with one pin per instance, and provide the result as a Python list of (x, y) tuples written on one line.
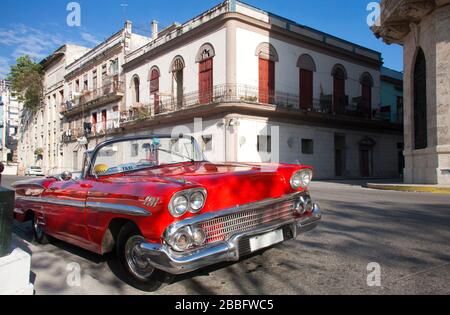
[(406, 234)]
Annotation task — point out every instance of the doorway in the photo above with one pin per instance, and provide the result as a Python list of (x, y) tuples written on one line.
[(366, 157)]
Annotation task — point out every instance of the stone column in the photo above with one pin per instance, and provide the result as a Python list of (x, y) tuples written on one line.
[(442, 27)]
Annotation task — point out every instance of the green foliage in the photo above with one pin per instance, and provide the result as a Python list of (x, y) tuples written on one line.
[(39, 152), (26, 82)]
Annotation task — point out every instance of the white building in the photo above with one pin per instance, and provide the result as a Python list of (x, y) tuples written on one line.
[(9, 123), (259, 82), (40, 133), (245, 71)]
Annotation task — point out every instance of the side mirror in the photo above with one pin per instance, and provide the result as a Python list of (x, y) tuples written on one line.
[(66, 176)]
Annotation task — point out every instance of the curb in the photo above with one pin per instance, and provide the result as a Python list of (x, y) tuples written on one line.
[(411, 188)]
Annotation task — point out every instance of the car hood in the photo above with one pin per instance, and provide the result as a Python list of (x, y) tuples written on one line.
[(227, 184)]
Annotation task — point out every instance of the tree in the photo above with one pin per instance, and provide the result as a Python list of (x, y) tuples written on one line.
[(26, 82)]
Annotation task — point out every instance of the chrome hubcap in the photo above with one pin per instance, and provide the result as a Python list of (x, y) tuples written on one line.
[(138, 264), (38, 229)]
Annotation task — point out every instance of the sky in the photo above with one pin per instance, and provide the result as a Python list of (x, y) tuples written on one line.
[(37, 28)]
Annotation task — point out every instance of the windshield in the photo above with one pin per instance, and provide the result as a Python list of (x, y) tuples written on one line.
[(133, 155)]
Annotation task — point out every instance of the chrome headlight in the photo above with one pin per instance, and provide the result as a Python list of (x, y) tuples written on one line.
[(301, 179), (182, 240), (196, 201), (199, 236), (192, 200), (178, 206)]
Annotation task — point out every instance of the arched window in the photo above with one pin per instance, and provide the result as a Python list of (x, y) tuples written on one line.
[(307, 68), (204, 59), (177, 70), (366, 94), (135, 90), (154, 88), (420, 102), (339, 98), (267, 55)]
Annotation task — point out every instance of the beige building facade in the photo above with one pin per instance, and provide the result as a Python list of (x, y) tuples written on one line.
[(94, 94), (423, 29), (40, 132)]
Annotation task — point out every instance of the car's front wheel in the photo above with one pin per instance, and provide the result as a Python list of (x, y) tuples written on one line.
[(137, 270)]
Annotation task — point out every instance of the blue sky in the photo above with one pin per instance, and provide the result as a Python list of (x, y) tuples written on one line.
[(39, 27)]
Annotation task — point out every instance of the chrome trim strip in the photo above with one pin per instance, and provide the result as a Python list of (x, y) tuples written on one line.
[(213, 215), (98, 206), (118, 208), (53, 201)]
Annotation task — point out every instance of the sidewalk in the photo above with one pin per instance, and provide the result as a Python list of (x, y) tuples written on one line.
[(435, 189)]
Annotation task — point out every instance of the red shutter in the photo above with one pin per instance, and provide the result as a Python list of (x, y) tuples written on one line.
[(266, 81), (154, 88), (339, 94), (94, 119), (206, 81), (104, 119), (367, 99), (306, 89)]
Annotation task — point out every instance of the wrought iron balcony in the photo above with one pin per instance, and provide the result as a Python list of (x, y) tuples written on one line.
[(99, 129), (237, 93), (92, 99)]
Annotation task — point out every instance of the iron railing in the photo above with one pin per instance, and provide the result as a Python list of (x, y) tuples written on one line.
[(101, 128), (88, 96), (240, 93)]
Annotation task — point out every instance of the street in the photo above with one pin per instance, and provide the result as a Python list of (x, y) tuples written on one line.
[(407, 234)]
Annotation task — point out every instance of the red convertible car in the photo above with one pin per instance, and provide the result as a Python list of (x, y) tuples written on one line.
[(163, 208)]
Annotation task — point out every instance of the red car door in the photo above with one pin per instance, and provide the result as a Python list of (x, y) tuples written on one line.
[(65, 211)]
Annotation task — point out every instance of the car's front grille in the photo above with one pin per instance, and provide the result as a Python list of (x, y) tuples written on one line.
[(222, 228)]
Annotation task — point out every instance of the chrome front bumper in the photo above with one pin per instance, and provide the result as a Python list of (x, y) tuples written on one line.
[(164, 258)]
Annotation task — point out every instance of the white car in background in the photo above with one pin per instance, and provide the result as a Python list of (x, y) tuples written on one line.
[(34, 171)]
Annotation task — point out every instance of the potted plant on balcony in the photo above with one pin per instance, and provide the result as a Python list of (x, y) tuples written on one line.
[(39, 153)]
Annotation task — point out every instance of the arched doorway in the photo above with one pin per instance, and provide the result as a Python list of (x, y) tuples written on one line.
[(136, 97), (307, 68), (366, 95), (177, 69), (205, 57), (267, 56), (420, 102), (339, 98), (154, 88)]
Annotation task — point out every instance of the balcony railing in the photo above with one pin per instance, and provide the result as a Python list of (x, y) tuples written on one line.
[(101, 128), (93, 97), (237, 93)]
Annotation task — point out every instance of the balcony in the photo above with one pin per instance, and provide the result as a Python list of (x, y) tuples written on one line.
[(111, 126), (245, 94), (88, 100)]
